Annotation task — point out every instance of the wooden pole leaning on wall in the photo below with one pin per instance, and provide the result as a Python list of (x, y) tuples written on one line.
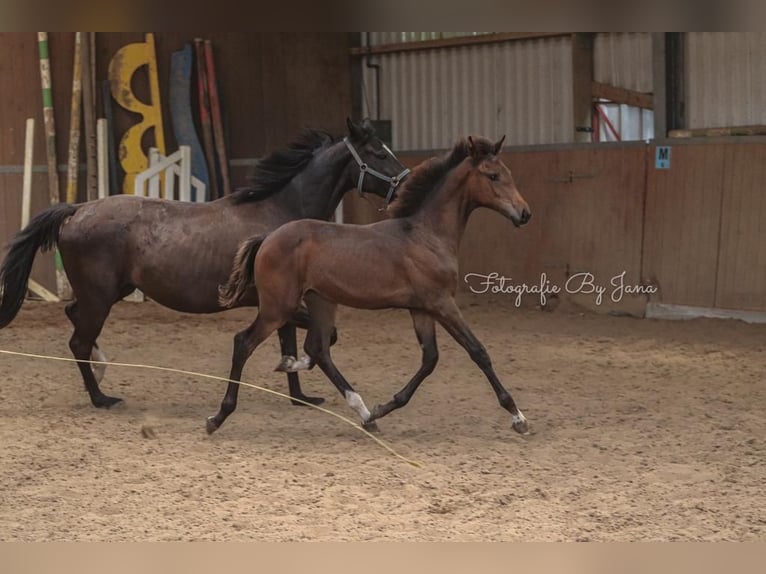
[(205, 120), (26, 203), (89, 112), (215, 109), (102, 158), (62, 283), (50, 123), (74, 124)]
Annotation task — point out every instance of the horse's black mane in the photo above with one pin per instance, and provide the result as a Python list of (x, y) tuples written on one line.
[(423, 179), (275, 171)]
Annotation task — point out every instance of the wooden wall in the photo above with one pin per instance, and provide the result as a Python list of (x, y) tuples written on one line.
[(705, 238), (696, 230), (272, 86)]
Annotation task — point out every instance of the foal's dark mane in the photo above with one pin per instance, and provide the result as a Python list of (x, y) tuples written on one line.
[(424, 179), (275, 171)]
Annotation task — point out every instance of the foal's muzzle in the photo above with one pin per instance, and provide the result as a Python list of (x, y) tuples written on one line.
[(522, 219)]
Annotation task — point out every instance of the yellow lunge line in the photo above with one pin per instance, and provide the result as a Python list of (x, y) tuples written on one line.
[(224, 379)]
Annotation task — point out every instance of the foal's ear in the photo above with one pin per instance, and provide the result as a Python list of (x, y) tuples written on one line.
[(471, 147), (499, 145)]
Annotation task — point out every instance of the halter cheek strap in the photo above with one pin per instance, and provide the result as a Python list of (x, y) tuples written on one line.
[(365, 169)]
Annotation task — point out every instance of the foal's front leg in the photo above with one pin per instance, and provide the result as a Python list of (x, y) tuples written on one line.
[(452, 320), (289, 362), (245, 343), (426, 332)]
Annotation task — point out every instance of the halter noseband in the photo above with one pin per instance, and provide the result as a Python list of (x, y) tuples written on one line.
[(364, 169)]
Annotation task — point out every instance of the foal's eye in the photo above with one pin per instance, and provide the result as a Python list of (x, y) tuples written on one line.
[(381, 155), (494, 176)]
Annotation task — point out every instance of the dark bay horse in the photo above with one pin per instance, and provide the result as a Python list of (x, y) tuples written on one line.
[(179, 253), (409, 262)]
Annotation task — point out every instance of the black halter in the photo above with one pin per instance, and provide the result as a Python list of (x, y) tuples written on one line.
[(364, 169)]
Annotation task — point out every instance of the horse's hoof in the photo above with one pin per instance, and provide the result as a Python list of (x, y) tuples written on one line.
[(371, 426), (310, 400), (105, 402), (211, 425), (521, 426), (286, 364)]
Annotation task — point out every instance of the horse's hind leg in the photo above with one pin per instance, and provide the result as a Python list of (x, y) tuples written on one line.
[(426, 332), (289, 346), (96, 354), (245, 342), (452, 320), (317, 346), (88, 318)]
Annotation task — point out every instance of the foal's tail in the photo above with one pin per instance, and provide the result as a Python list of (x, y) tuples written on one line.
[(41, 233), (242, 274)]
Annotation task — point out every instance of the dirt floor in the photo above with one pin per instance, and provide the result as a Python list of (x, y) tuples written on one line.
[(641, 430)]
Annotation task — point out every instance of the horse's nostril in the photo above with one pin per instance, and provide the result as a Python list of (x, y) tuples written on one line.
[(526, 215)]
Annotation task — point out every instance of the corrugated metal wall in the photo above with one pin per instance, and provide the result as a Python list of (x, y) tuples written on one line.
[(624, 60), (725, 79), (521, 88), (377, 38)]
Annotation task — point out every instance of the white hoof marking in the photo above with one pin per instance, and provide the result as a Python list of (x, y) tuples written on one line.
[(98, 370), (355, 402), (302, 364), (519, 418)]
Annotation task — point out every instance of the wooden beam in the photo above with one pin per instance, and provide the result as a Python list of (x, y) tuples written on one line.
[(756, 130), (622, 95), (493, 38), (659, 85), (675, 80), (582, 90), (42, 292)]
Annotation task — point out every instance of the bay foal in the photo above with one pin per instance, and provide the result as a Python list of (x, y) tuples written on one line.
[(409, 261)]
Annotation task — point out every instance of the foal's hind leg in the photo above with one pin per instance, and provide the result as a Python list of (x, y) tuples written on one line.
[(317, 346), (289, 347), (451, 319), (424, 328), (245, 343)]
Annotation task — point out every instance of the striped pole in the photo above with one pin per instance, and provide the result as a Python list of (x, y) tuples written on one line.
[(89, 117), (50, 124), (62, 283), (74, 124)]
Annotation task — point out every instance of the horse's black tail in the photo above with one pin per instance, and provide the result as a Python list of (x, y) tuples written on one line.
[(242, 274), (41, 233)]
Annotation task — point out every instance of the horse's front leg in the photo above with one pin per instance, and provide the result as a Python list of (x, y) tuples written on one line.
[(289, 347), (426, 332)]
